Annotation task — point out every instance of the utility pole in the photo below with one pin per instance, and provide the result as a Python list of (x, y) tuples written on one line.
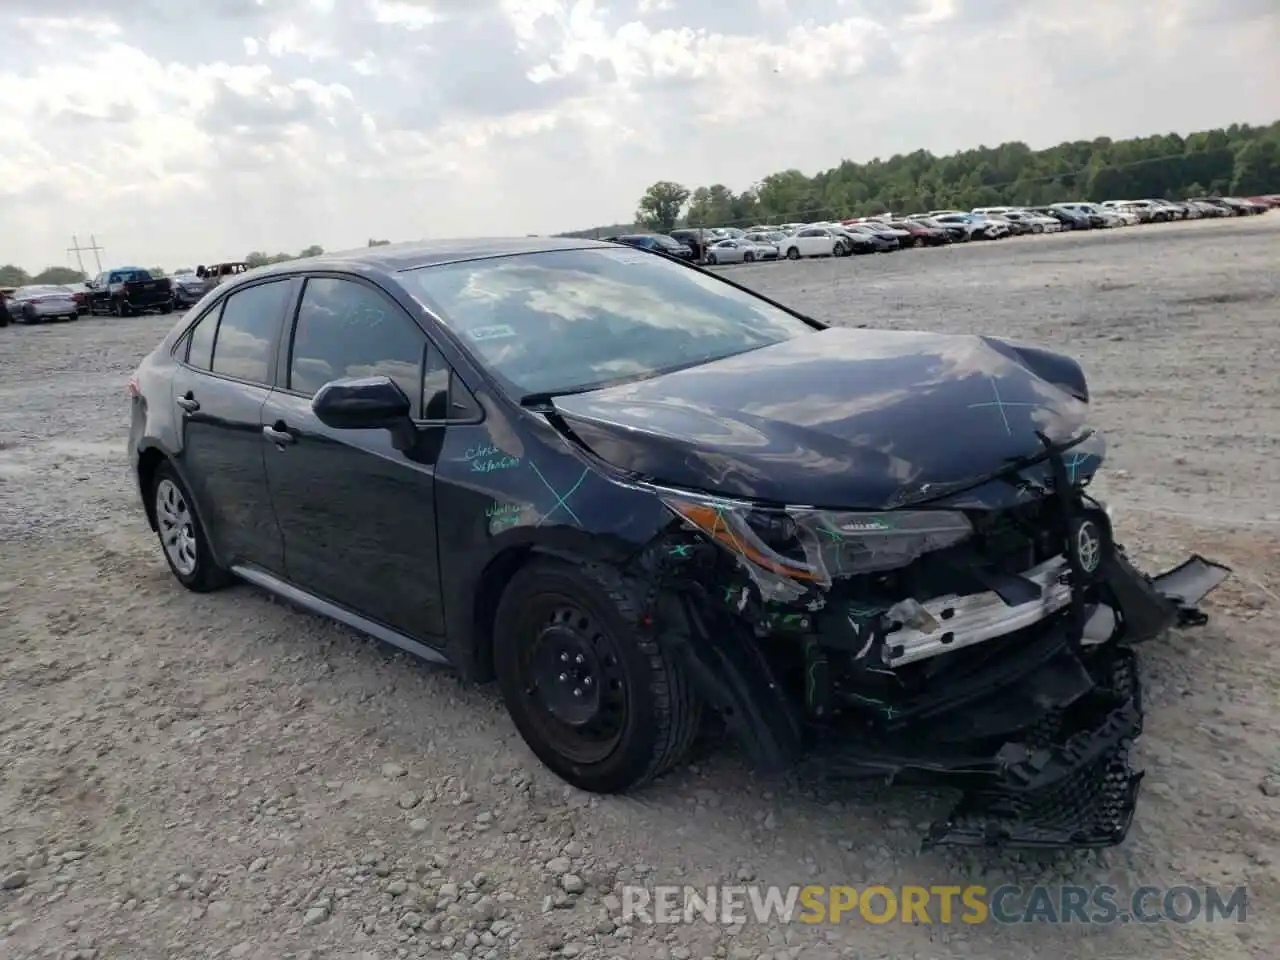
[(78, 250)]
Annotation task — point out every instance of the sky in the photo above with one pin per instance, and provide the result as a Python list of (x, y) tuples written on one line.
[(191, 131)]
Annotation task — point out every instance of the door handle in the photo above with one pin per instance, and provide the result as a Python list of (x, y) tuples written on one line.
[(189, 403), (277, 435)]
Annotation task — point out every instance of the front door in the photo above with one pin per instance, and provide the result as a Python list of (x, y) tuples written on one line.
[(357, 514), (218, 393)]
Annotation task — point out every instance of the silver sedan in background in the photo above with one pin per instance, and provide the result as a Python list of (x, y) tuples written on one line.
[(734, 251), (40, 302)]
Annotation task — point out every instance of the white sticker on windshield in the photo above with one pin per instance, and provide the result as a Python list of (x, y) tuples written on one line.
[(500, 331)]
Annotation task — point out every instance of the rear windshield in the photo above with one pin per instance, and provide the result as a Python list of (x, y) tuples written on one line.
[(129, 276), (568, 320)]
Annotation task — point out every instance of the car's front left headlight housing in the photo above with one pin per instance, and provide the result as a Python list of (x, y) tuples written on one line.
[(817, 546)]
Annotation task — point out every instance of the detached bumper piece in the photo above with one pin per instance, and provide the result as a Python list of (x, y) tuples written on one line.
[(1068, 785), (1081, 791)]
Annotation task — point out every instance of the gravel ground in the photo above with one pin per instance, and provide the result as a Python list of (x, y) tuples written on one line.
[(222, 776)]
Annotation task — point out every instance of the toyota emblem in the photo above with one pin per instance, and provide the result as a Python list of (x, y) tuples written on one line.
[(1088, 546)]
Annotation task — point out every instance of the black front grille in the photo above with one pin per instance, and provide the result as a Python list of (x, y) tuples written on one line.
[(1015, 540)]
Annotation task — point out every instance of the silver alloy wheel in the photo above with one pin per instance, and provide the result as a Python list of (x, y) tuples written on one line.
[(177, 530)]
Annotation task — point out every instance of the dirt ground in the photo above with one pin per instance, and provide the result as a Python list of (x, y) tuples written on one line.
[(222, 776)]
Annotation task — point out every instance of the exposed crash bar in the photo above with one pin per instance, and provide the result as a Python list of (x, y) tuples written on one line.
[(965, 621)]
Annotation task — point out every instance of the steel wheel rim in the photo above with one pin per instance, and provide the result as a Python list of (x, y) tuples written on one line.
[(176, 526), (572, 679)]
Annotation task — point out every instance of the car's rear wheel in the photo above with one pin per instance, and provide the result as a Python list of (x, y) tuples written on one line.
[(603, 706), (182, 537)]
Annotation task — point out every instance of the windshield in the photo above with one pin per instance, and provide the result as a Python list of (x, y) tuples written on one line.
[(41, 291), (566, 320)]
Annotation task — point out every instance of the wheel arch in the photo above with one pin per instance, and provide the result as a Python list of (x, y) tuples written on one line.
[(470, 643), (150, 459)]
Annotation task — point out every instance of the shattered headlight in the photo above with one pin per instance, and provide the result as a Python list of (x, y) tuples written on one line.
[(803, 543)]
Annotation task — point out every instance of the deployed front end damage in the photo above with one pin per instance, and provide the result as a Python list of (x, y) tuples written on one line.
[(951, 641)]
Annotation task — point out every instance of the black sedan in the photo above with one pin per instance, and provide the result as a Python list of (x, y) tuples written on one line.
[(659, 243), (1068, 219), (645, 498)]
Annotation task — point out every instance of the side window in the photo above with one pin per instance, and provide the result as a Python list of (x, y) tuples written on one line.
[(200, 340), (250, 321), (347, 329)]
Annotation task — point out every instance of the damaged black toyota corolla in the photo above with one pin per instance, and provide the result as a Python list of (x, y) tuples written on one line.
[(637, 493)]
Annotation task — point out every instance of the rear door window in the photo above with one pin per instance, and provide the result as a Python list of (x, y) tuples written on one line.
[(250, 324)]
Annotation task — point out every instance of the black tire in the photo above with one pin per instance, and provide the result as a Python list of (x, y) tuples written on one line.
[(748, 258), (1037, 228), (28, 318), (167, 308), (118, 308), (206, 575), (551, 606), (793, 253), (711, 259), (4, 315)]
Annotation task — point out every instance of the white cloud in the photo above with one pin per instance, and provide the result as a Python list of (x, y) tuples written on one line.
[(197, 131)]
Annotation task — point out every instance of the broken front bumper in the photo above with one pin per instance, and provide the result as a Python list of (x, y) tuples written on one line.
[(1043, 759)]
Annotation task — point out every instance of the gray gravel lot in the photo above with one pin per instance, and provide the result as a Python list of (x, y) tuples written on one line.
[(222, 776)]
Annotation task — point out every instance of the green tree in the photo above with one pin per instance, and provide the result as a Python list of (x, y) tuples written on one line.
[(158, 272), (711, 206), (378, 243), (1257, 169), (314, 250), (660, 207), (1237, 158), (256, 258), (58, 275), (13, 276)]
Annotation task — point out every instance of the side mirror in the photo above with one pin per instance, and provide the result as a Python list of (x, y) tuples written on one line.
[(361, 403)]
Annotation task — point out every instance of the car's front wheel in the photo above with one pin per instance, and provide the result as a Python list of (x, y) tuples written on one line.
[(182, 537), (793, 254), (711, 259), (602, 705)]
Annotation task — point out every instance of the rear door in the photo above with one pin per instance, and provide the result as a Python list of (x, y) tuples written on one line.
[(227, 363), (357, 514)]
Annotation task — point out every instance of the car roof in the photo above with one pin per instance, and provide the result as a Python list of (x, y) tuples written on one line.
[(394, 257)]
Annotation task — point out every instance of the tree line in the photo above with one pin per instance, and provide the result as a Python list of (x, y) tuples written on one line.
[(1236, 160), (14, 276)]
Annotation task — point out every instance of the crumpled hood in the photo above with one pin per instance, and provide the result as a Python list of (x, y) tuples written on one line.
[(856, 419)]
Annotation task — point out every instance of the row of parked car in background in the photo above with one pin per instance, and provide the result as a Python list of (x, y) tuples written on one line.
[(121, 292), (887, 232), (129, 291)]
